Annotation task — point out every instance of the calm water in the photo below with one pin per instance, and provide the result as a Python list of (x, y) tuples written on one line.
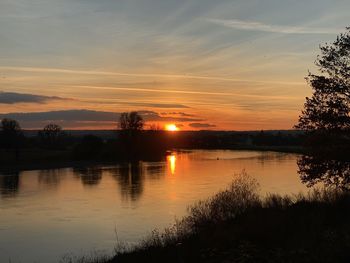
[(47, 214)]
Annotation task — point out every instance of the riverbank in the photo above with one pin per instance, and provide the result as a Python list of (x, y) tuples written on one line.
[(263, 148), (35, 159), (236, 225), (38, 159)]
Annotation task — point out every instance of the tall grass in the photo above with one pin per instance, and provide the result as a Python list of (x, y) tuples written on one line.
[(93, 257), (240, 226)]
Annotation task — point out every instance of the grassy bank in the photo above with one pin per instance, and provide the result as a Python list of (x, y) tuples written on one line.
[(237, 225)]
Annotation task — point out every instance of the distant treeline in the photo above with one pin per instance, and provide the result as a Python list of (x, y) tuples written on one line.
[(183, 139), (129, 142)]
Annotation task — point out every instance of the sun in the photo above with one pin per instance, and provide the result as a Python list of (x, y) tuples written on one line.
[(171, 127)]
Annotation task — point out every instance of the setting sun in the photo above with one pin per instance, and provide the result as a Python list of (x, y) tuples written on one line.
[(171, 127)]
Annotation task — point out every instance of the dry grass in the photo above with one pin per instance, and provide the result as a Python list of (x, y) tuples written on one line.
[(238, 225)]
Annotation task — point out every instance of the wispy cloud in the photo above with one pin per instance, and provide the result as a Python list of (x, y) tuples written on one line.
[(154, 116), (199, 125), (159, 105), (259, 26), (191, 92), (183, 114), (39, 119), (13, 98), (63, 115), (140, 104), (141, 75)]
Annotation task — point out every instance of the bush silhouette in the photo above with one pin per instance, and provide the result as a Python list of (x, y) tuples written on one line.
[(51, 136)]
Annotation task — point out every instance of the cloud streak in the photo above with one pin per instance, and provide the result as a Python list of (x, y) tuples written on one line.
[(142, 104), (199, 125), (184, 114), (14, 98), (258, 26), (141, 75), (189, 92), (39, 119), (159, 105)]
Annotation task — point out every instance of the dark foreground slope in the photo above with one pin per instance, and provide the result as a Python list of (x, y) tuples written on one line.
[(238, 226)]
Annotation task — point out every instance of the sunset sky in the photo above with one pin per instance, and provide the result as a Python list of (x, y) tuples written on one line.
[(201, 64)]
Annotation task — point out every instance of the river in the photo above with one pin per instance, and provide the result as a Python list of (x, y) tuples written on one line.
[(47, 214)]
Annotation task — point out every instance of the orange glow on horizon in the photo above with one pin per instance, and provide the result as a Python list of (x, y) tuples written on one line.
[(171, 127)]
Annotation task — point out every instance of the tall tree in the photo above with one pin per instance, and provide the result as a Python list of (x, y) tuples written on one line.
[(11, 136), (328, 110), (131, 121), (10, 133), (131, 125), (51, 135), (326, 118)]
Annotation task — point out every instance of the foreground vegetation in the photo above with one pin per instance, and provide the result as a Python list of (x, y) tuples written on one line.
[(237, 225)]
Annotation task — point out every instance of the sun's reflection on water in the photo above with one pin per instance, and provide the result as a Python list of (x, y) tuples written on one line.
[(172, 163)]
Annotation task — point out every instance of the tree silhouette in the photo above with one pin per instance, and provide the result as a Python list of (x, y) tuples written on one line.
[(11, 134), (131, 125), (131, 121), (329, 107), (51, 136), (326, 118), (314, 169)]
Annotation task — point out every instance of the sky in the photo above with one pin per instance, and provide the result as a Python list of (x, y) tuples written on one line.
[(201, 64)]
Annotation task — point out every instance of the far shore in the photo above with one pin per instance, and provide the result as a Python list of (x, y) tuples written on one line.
[(37, 159)]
